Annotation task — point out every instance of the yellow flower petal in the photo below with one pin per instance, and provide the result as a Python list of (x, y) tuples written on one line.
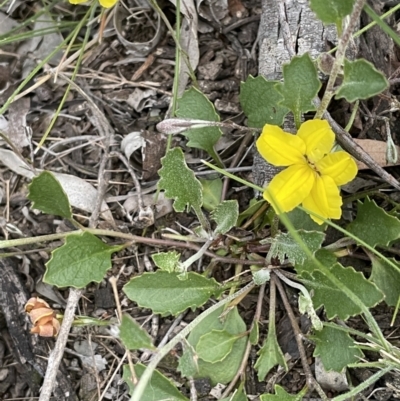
[(107, 3), (324, 199), (279, 147), (318, 137), (290, 187), (78, 1), (338, 165)]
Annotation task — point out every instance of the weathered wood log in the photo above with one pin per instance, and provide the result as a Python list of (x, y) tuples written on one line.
[(29, 350)]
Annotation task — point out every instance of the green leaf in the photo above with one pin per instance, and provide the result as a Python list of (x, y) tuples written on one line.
[(188, 365), (361, 81), (260, 102), (306, 306), (302, 221), (261, 276), (47, 195), (239, 395), (284, 244), (132, 335), (221, 372), (159, 387), (250, 211), (179, 182), (282, 395), (270, 356), (254, 334), (225, 215), (335, 348), (373, 225), (332, 11), (167, 261), (167, 294), (215, 346), (335, 301), (193, 104), (386, 278), (212, 190), (82, 259), (324, 256), (300, 84)]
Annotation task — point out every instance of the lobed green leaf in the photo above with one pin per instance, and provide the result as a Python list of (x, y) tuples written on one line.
[(260, 102), (300, 85), (332, 11), (373, 225), (361, 81), (335, 348), (179, 182), (225, 215), (82, 259), (336, 303)]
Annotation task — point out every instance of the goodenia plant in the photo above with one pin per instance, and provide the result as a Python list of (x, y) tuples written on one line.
[(305, 196)]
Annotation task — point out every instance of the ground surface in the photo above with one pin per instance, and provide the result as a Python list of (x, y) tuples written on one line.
[(134, 91)]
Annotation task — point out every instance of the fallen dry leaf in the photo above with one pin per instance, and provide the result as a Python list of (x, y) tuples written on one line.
[(377, 150)]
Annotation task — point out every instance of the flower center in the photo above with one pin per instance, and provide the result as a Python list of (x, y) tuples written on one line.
[(312, 165)]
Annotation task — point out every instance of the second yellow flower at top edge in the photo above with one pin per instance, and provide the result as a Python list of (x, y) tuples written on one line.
[(313, 173), (103, 3)]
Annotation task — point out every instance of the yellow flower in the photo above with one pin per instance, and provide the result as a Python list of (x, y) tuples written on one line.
[(104, 3), (313, 174)]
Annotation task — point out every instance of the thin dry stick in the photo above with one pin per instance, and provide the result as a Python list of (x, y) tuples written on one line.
[(58, 351), (247, 138), (311, 382), (113, 282)]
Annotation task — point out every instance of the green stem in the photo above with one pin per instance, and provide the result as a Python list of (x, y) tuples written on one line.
[(340, 55), (297, 119), (32, 74), (385, 27), (89, 15), (365, 384), (33, 240)]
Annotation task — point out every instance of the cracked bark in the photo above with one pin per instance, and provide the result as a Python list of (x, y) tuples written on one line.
[(308, 35)]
